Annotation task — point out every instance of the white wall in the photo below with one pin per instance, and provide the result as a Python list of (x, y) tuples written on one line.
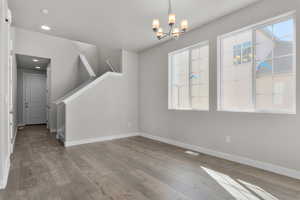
[(108, 108), (64, 55), (271, 138), (4, 133)]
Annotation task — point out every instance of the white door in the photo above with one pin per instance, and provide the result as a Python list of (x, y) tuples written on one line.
[(35, 98)]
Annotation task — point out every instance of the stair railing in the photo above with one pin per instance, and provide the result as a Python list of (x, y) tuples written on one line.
[(110, 65), (87, 66)]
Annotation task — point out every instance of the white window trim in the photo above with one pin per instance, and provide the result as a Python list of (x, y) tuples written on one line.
[(269, 21), (206, 42)]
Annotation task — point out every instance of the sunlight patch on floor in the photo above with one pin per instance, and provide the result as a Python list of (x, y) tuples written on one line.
[(193, 153), (239, 189), (258, 190)]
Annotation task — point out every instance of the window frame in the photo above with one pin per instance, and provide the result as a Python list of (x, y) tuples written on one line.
[(170, 75), (253, 28)]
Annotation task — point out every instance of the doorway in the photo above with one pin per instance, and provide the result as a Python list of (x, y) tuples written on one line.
[(33, 97)]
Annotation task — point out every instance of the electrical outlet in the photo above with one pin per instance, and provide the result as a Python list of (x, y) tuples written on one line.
[(228, 139), (129, 124)]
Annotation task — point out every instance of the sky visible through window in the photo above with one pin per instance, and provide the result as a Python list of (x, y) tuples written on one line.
[(282, 30)]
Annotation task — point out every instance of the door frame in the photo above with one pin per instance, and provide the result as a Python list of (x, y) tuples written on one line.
[(11, 104), (24, 98), (48, 103), (9, 80)]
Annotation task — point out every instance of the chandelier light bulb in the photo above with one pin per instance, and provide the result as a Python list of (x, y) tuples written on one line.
[(172, 19), (159, 33), (155, 25), (184, 25), (176, 33)]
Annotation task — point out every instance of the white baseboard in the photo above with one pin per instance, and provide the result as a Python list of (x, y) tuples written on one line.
[(99, 139), (14, 140), (21, 125), (243, 160), (3, 182)]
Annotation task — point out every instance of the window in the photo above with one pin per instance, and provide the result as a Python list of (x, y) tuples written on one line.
[(189, 78), (242, 53), (257, 68)]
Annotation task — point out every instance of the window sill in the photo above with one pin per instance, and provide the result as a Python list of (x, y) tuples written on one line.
[(258, 112), (187, 109)]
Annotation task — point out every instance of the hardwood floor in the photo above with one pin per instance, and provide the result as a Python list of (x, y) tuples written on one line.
[(132, 169)]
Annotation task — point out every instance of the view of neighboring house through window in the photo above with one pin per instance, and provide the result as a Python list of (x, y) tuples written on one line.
[(257, 68), (236, 71), (189, 78)]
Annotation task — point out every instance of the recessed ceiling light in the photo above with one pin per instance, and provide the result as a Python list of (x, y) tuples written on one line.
[(45, 27), (37, 67), (45, 11), (35, 60)]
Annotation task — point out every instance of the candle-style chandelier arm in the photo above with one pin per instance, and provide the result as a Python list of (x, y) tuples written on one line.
[(167, 34)]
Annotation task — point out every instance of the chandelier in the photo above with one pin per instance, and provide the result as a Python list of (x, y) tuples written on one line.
[(174, 30)]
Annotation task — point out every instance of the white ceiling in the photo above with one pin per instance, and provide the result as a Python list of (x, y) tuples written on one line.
[(24, 61), (115, 24)]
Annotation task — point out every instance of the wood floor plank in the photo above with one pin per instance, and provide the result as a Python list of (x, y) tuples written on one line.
[(189, 184), (133, 168)]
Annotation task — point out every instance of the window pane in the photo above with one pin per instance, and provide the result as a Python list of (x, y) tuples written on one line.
[(204, 52), (264, 34), (264, 43), (283, 92), (264, 90), (195, 54), (283, 46), (180, 80), (272, 88), (237, 54), (200, 103), (247, 52), (283, 65), (264, 68), (275, 75), (199, 78), (199, 65), (264, 51), (236, 74), (283, 29), (190, 78)]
